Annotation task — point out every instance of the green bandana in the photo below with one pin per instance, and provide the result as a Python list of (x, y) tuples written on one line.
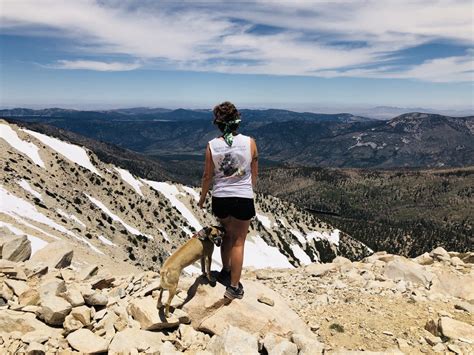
[(227, 133)]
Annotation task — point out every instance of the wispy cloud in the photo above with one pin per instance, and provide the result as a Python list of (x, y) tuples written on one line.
[(94, 65), (314, 38)]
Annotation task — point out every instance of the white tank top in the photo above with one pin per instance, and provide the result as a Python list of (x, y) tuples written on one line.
[(232, 173)]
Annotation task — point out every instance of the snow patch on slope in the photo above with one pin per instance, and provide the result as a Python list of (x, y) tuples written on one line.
[(72, 152), (171, 192), (14, 206), (105, 241), (26, 148), (70, 216), (260, 255), (115, 217), (300, 254), (130, 179), (264, 220), (192, 192), (27, 187), (332, 236)]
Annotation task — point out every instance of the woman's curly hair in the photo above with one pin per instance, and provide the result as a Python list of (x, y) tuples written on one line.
[(225, 112)]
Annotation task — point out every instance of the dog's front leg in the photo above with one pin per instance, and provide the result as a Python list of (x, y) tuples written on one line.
[(159, 298), (172, 292), (208, 269), (203, 264)]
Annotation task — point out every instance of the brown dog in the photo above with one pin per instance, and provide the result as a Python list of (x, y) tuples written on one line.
[(201, 247)]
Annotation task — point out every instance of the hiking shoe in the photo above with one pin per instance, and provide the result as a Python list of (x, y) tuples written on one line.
[(234, 292), (224, 277)]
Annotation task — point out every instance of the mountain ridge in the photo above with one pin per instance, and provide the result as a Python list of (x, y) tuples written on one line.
[(410, 140)]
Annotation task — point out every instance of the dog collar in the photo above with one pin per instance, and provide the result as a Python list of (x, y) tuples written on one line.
[(201, 235)]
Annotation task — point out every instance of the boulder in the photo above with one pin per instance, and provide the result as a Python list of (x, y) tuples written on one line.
[(16, 248), (145, 312), (30, 297), (71, 324), (191, 338), (52, 287), (54, 310), (275, 345), (25, 324), (10, 268), (424, 259), (455, 329), (211, 313), (74, 297), (449, 283), (407, 270), (55, 255), (440, 254), (307, 345), (468, 258), (130, 338), (18, 287), (87, 272), (316, 269), (101, 281), (82, 314), (85, 341), (95, 299), (233, 341)]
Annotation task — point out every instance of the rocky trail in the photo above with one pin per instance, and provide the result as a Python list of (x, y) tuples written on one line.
[(383, 304)]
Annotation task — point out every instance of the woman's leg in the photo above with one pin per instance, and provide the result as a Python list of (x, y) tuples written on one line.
[(239, 230), (226, 245)]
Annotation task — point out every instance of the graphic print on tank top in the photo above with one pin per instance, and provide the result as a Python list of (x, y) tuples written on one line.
[(230, 166)]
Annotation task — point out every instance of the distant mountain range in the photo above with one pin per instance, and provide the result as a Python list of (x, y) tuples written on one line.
[(310, 139), (163, 114)]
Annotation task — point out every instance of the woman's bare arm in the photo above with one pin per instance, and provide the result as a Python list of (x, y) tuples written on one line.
[(254, 163), (206, 176)]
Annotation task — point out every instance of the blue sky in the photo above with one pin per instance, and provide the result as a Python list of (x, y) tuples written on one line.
[(300, 55)]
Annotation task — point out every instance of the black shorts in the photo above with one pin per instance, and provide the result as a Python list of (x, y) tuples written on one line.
[(237, 207)]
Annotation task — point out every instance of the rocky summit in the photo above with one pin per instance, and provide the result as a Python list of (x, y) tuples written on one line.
[(384, 304), (82, 241)]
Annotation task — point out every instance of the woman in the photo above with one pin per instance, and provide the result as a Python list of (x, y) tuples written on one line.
[(232, 165)]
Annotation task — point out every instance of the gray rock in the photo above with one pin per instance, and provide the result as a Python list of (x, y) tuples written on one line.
[(16, 248), (192, 339), (95, 299), (18, 287), (52, 287), (74, 297), (24, 324), (319, 269), (56, 255), (130, 338), (275, 345), (145, 312), (407, 270), (266, 300), (307, 345), (85, 341), (234, 341), (455, 329), (54, 310), (440, 254)]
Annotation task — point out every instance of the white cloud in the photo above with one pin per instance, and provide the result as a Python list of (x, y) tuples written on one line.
[(94, 65), (313, 37), (450, 69)]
